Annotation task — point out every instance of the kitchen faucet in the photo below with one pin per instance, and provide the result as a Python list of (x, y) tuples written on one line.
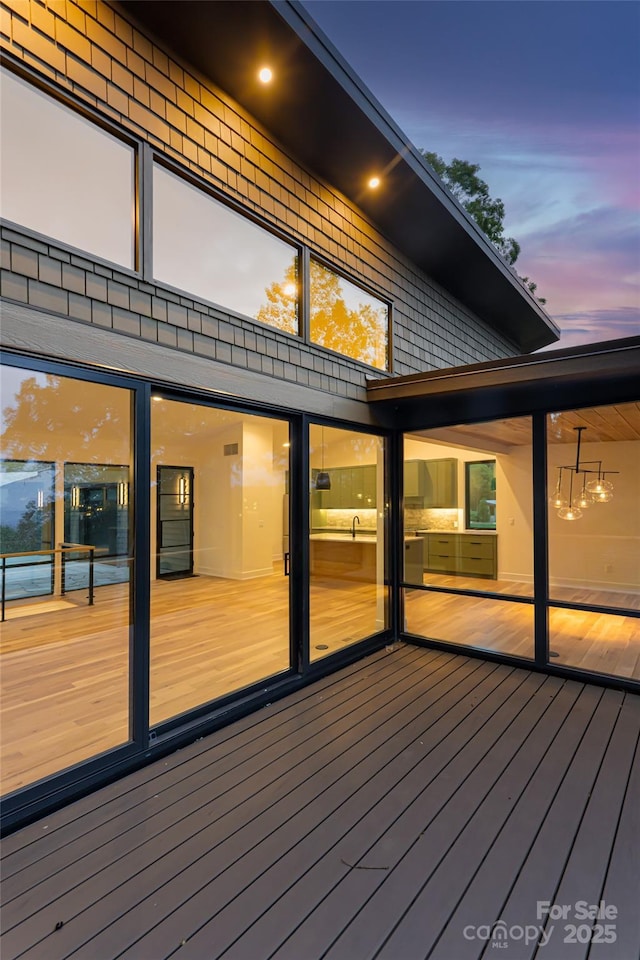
[(353, 526)]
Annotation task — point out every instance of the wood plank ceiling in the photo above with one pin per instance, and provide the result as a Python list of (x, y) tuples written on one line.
[(603, 425)]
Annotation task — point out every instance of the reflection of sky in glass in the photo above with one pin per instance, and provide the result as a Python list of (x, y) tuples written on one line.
[(63, 176), (203, 247)]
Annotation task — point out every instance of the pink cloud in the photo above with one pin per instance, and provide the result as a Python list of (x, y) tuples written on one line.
[(596, 325), (586, 263)]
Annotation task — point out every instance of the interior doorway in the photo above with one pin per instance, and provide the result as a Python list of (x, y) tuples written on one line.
[(175, 522)]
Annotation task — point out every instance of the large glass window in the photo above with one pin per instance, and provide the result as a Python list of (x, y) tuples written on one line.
[(26, 526), (348, 592), (64, 659), (219, 529), (480, 494), (204, 247), (63, 176), (468, 527), (348, 320), (96, 513), (594, 536)]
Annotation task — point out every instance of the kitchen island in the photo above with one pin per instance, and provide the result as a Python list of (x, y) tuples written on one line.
[(340, 556)]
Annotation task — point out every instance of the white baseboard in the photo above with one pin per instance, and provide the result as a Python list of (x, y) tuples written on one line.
[(609, 585), (516, 577)]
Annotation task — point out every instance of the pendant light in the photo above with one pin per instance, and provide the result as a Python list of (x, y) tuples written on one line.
[(558, 500), (571, 511), (323, 479), (597, 489)]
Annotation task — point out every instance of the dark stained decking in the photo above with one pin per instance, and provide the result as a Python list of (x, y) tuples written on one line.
[(397, 809)]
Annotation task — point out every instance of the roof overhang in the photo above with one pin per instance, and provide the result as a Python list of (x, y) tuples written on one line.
[(594, 374), (324, 116)]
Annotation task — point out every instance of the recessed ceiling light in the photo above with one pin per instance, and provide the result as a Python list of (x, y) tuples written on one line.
[(265, 75), (374, 183)]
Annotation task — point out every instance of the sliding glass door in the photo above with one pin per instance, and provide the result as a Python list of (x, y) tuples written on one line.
[(468, 535), (219, 519), (349, 595), (66, 503)]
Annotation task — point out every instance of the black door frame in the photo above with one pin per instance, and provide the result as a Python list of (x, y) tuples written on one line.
[(159, 521)]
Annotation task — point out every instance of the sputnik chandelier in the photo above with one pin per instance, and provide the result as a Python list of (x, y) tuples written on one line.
[(595, 487)]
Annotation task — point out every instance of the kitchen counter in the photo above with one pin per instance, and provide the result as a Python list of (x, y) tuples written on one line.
[(345, 537), (458, 533)]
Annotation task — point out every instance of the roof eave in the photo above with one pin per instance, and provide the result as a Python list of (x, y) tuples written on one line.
[(324, 116)]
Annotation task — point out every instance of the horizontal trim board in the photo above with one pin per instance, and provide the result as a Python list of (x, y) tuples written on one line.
[(59, 338)]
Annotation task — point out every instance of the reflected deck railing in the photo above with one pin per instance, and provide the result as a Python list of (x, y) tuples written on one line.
[(63, 549)]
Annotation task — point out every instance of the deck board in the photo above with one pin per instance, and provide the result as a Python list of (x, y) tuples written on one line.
[(376, 813), (325, 822), (119, 795), (194, 781)]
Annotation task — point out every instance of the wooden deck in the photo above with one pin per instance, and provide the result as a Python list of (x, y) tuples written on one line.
[(398, 809)]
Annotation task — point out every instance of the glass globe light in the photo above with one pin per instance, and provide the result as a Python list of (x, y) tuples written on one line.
[(584, 499), (599, 485), (570, 513), (558, 500), (602, 496)]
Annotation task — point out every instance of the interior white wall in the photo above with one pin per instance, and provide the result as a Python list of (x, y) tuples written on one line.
[(514, 514), (601, 550), (259, 522)]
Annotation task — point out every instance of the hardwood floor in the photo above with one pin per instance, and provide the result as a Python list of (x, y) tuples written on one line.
[(65, 672), (604, 643)]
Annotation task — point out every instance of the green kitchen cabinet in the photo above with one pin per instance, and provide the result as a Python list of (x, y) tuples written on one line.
[(351, 488), (431, 483)]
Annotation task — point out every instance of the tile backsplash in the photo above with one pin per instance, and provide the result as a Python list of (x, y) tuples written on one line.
[(342, 519), (418, 518)]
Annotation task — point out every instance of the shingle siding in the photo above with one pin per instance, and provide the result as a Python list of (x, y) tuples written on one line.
[(92, 52)]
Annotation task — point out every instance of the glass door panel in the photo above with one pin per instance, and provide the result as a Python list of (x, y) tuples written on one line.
[(468, 501), (219, 590), (468, 531), (64, 661), (348, 592), (593, 457)]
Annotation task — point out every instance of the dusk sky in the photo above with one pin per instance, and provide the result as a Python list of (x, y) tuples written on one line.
[(545, 96)]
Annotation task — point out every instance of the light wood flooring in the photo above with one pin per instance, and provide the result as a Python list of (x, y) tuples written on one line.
[(65, 673), (604, 643)]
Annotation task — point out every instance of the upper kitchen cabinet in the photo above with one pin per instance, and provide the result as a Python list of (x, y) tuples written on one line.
[(351, 487), (431, 483)]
